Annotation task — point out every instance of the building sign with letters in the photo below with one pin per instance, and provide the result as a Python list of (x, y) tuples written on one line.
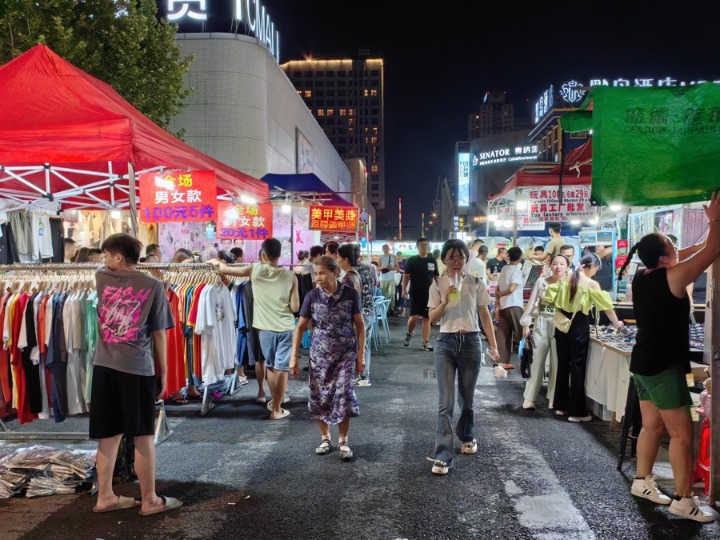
[(503, 155), (178, 196), (333, 218), (573, 92), (246, 221), (247, 17)]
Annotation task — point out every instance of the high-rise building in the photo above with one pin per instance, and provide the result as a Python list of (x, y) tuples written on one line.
[(494, 117), (346, 98)]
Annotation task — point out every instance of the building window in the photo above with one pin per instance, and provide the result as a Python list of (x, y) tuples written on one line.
[(320, 93), (373, 92), (319, 73), (308, 93), (320, 84), (375, 168), (341, 93), (331, 84), (330, 112), (320, 112), (375, 73), (373, 111), (342, 83), (308, 74), (297, 74), (330, 73)]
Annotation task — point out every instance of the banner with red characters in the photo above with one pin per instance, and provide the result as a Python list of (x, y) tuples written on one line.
[(178, 196)]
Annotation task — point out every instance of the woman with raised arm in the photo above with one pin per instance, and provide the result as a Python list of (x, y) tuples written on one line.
[(661, 358)]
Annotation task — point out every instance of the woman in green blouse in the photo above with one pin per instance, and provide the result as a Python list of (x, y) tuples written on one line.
[(575, 296)]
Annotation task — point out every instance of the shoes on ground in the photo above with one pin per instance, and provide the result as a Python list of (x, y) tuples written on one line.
[(440, 467), (647, 489), (285, 399), (363, 382), (689, 508), (346, 453), (559, 413), (551, 406), (529, 405), (578, 419), (428, 346), (242, 380), (469, 447), (507, 366), (325, 447), (408, 337)]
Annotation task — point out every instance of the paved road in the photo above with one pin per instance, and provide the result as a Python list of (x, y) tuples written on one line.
[(242, 476)]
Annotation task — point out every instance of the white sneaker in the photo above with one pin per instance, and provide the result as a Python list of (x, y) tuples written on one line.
[(559, 413), (363, 382), (689, 508), (440, 467), (578, 419), (647, 489), (529, 405), (469, 447)]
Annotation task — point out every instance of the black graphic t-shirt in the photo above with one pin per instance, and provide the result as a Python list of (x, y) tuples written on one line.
[(422, 272)]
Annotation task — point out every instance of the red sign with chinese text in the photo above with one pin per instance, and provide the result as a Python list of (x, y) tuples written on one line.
[(333, 218), (178, 196), (246, 221)]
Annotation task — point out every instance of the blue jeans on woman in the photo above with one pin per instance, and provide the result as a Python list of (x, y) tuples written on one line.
[(459, 353)]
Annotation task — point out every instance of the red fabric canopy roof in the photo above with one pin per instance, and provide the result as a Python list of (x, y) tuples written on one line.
[(53, 112), (577, 161)]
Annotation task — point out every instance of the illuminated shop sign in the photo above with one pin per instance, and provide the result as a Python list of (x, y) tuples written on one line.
[(463, 179), (573, 92), (248, 17), (504, 155)]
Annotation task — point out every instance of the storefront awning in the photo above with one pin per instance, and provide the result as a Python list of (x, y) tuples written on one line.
[(308, 186)]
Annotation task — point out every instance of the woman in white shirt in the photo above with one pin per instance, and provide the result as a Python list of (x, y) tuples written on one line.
[(543, 333), (456, 300)]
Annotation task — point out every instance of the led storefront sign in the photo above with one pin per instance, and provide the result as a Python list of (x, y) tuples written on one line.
[(573, 92), (463, 179), (243, 16), (505, 155)]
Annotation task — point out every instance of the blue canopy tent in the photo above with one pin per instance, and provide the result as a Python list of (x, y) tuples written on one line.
[(307, 187)]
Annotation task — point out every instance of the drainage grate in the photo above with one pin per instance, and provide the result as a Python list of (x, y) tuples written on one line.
[(428, 374)]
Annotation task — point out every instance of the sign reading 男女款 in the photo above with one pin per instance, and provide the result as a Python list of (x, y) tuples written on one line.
[(180, 196)]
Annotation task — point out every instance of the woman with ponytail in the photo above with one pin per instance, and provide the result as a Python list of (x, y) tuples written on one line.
[(661, 358), (575, 296)]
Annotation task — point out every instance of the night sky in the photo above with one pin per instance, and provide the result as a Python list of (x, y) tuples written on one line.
[(441, 57)]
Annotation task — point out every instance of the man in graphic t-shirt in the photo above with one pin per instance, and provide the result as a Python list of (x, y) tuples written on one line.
[(420, 271), (129, 373)]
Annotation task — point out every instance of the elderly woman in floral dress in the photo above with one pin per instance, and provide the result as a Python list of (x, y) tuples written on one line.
[(336, 353)]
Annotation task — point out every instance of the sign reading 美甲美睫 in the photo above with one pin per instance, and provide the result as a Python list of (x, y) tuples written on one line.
[(246, 221), (333, 218), (178, 196), (543, 205)]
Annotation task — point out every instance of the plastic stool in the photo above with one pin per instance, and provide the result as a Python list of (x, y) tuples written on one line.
[(702, 464)]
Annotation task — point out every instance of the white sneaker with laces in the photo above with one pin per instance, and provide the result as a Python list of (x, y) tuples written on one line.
[(469, 447), (362, 382), (647, 489), (578, 419), (440, 467), (689, 508)]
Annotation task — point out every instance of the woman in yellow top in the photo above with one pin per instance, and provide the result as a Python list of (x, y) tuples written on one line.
[(575, 296)]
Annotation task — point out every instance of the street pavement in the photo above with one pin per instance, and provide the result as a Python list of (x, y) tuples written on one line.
[(242, 476)]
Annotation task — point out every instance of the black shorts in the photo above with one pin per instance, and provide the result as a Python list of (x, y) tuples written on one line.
[(419, 303), (121, 403)]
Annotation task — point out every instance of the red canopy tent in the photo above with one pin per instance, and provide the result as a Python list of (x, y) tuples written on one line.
[(69, 137)]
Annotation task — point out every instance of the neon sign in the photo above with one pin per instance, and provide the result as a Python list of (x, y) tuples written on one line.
[(508, 154), (463, 179)]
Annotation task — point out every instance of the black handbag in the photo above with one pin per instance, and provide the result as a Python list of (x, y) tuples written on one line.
[(526, 357)]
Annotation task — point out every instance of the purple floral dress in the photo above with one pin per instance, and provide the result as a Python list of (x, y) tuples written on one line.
[(333, 353)]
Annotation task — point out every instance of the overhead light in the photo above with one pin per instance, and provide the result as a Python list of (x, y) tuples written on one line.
[(247, 200), (492, 217), (508, 223), (286, 208), (521, 204), (574, 222), (594, 221), (115, 214), (615, 207)]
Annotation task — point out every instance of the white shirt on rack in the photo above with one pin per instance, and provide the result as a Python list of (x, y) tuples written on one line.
[(42, 247), (216, 326)]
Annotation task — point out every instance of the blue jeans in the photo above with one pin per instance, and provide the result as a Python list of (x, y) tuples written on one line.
[(369, 320), (461, 353)]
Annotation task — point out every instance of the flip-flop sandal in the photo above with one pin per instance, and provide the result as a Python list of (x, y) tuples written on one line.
[(284, 414), (177, 401), (261, 399), (169, 503), (347, 454), (325, 447), (123, 503)]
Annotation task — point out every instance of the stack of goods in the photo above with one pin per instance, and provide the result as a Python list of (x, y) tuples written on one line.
[(40, 470), (622, 339), (697, 336)]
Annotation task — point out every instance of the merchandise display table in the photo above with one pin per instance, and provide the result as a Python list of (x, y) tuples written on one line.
[(607, 379)]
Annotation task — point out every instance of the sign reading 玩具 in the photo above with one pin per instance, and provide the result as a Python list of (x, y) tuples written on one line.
[(333, 218), (246, 221), (542, 203), (247, 17), (178, 196)]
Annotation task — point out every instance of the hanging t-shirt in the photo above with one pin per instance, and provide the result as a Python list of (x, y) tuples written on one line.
[(43, 245), (216, 325), (131, 306)]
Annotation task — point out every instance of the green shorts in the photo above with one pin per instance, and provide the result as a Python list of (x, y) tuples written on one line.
[(667, 390)]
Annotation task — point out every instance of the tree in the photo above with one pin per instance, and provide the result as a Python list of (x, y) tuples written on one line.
[(120, 42)]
